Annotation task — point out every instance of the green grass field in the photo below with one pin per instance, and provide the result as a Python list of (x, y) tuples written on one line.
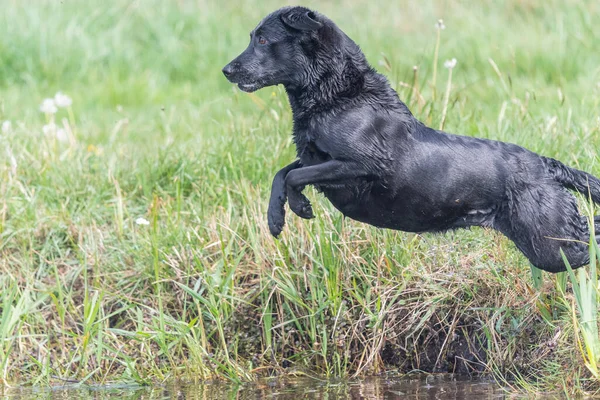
[(203, 291)]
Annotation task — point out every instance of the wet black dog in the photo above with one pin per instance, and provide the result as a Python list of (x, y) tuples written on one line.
[(360, 145)]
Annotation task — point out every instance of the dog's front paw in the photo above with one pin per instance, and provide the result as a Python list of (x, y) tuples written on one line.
[(301, 206), (276, 219), (306, 211)]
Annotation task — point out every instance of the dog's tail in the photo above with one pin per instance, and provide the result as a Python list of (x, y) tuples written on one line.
[(574, 179)]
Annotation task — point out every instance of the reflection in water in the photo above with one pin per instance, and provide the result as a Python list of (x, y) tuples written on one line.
[(413, 387)]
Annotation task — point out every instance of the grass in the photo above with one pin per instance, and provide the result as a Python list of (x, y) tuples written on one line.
[(203, 291), (585, 290)]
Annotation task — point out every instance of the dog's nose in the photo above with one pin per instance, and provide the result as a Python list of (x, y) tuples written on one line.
[(228, 70)]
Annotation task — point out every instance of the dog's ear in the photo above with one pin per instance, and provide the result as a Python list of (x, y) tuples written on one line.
[(301, 20)]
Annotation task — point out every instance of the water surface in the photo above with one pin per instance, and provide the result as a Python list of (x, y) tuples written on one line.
[(444, 387)]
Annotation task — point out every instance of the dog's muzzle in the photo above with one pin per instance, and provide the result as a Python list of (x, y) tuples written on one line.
[(235, 75), (228, 71)]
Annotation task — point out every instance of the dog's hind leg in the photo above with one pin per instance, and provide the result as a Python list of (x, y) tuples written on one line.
[(542, 220), (597, 226)]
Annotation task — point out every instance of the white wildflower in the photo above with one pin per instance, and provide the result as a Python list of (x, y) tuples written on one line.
[(49, 129), (13, 161), (62, 100), (13, 164), (440, 25), (61, 135), (142, 221), (48, 106), (6, 127), (450, 63)]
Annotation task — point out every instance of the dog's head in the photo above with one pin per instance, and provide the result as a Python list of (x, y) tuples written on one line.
[(276, 49)]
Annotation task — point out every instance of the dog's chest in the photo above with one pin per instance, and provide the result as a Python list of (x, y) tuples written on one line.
[(307, 149), (310, 154)]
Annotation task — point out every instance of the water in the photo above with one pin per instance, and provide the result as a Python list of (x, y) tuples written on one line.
[(442, 387)]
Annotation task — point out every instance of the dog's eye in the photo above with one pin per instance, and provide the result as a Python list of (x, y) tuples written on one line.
[(262, 40)]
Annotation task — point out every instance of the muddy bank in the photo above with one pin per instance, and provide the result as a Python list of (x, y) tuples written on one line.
[(412, 338)]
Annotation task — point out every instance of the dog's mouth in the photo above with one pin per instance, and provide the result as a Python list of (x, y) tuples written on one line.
[(249, 87)]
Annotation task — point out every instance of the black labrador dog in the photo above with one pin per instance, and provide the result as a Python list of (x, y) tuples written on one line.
[(360, 145)]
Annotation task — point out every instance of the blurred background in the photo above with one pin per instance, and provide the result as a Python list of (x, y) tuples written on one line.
[(150, 56)]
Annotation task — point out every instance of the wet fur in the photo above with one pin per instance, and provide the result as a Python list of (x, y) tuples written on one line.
[(361, 146)]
